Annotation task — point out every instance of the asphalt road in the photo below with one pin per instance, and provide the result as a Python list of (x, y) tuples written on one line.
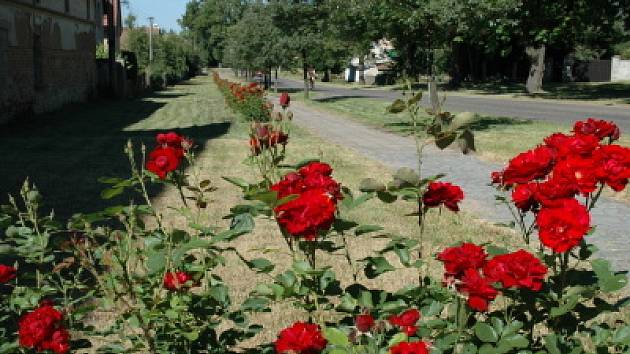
[(560, 112)]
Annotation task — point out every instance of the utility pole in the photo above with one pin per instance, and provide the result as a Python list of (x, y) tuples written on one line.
[(151, 39)]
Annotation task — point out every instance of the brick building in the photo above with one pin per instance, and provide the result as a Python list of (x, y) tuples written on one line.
[(47, 54)]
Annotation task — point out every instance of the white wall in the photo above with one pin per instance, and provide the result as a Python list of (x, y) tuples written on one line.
[(620, 69)]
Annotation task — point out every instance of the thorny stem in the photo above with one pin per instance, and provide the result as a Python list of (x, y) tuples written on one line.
[(347, 255)]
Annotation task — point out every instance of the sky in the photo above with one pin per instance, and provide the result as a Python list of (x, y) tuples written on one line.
[(166, 12)]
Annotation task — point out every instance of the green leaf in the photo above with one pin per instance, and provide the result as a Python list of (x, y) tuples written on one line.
[(514, 341), (486, 333), (386, 197), (445, 139), (364, 229), (622, 335), (255, 304), (112, 192), (466, 141), (408, 175), (239, 182), (567, 303), (371, 185), (551, 343), (608, 280), (336, 337), (415, 99), (305, 162), (156, 262), (180, 252), (261, 265), (376, 266), (397, 107), (338, 351), (397, 338)]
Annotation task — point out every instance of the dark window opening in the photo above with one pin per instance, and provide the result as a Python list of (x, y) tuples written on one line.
[(67, 5), (89, 9)]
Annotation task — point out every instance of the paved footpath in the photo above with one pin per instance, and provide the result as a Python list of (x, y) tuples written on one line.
[(611, 217)]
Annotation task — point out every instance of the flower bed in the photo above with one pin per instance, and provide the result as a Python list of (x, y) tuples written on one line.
[(551, 296)]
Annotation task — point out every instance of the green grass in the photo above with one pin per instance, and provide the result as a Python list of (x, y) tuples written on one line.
[(64, 153)]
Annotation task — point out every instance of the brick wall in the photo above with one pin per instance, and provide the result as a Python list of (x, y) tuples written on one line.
[(50, 60)]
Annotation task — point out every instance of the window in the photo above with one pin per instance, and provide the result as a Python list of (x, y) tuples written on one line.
[(67, 5), (88, 4), (38, 58)]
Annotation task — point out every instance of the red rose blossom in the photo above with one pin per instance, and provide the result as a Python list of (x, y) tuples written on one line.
[(599, 128), (406, 321), (457, 259), (163, 160), (443, 193), (529, 166), (524, 196), (313, 211), (300, 338), (364, 322), (563, 227), (496, 177), (578, 173), (519, 269), (553, 191), (7, 273), (176, 280), (285, 100), (42, 329), (479, 290), (613, 163), (318, 168), (409, 348)]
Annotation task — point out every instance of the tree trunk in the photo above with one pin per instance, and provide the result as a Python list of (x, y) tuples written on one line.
[(326, 75), (537, 68), (361, 70), (275, 82), (305, 69), (515, 70)]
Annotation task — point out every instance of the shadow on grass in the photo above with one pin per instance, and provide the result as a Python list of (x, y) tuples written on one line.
[(483, 123), (331, 99), (64, 153)]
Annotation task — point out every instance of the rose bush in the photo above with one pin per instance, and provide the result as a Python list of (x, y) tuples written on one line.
[(160, 286)]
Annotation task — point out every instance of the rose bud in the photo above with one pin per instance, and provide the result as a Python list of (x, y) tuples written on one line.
[(364, 322)]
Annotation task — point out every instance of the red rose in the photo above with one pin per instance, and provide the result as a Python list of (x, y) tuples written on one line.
[(553, 192), (528, 166), (173, 140), (7, 273), (524, 196), (278, 138), (578, 173), (479, 290), (598, 128), (562, 228), (443, 193), (285, 100), (496, 177), (292, 183), (42, 329), (519, 269), (613, 166), (409, 348), (406, 321), (163, 160), (312, 176), (457, 259), (317, 168), (557, 141), (254, 145), (176, 280), (313, 211), (364, 322), (301, 338)]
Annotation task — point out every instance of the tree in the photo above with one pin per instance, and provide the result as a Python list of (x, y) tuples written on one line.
[(208, 22), (255, 42)]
